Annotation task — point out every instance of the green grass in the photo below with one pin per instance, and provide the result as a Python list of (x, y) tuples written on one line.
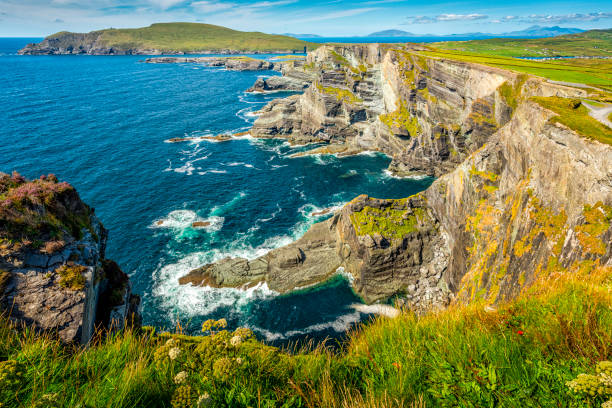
[(596, 73), (571, 113), (192, 37), (589, 43), (392, 221), (341, 94), (520, 354)]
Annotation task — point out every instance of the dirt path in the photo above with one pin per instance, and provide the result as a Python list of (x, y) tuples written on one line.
[(600, 113)]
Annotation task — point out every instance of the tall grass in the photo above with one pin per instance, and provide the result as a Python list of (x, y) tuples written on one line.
[(520, 353)]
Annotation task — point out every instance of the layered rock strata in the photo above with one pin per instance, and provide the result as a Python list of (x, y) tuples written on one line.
[(519, 196), (53, 272)]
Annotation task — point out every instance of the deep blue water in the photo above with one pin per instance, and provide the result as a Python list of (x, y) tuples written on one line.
[(101, 123)]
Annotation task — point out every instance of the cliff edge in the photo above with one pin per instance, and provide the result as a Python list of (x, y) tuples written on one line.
[(53, 272), (519, 195)]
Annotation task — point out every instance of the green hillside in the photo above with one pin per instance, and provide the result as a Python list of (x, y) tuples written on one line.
[(191, 37), (588, 43)]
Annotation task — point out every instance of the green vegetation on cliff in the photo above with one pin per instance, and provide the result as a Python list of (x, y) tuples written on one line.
[(34, 211), (401, 119), (574, 115), (393, 220), (588, 43), (528, 352), (193, 37)]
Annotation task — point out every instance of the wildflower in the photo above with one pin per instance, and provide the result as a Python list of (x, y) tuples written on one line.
[(396, 365), (243, 332), (236, 341), (204, 400), (222, 368), (174, 352), (221, 323), (171, 342), (520, 332), (238, 361), (180, 377), (183, 397), (607, 404)]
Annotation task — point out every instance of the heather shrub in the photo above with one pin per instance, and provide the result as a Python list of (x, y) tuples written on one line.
[(40, 210)]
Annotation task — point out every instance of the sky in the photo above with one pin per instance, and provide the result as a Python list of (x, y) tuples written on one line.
[(39, 18)]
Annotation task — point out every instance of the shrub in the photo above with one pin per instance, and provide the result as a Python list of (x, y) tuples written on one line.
[(71, 276)]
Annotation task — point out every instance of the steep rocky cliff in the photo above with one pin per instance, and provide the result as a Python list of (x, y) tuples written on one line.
[(53, 272), (518, 195)]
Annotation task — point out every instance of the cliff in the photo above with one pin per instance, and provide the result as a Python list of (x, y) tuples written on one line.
[(53, 272), (519, 195), (166, 38)]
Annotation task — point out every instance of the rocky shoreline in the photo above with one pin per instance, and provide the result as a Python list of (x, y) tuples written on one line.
[(479, 232)]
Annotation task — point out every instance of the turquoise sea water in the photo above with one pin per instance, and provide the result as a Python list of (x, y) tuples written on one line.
[(101, 123)]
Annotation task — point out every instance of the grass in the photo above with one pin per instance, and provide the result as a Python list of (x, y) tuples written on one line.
[(589, 43), (193, 37), (571, 113), (393, 220), (521, 353), (341, 94), (595, 73), (401, 119)]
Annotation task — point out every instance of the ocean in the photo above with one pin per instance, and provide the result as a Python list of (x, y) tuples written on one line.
[(101, 123)]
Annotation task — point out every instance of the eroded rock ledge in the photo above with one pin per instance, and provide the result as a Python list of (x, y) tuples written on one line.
[(389, 246), (519, 197), (230, 63), (53, 272)]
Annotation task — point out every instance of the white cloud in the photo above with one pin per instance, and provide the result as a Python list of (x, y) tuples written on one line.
[(210, 6), (567, 18), (336, 15), (457, 17), (447, 17)]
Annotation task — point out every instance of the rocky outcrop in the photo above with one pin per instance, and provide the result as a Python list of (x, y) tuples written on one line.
[(428, 114), (230, 63), (519, 196), (82, 43), (56, 277), (388, 246)]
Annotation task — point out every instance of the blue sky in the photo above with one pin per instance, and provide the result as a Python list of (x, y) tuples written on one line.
[(324, 17)]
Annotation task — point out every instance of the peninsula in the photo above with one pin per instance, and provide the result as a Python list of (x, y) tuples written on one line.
[(167, 38)]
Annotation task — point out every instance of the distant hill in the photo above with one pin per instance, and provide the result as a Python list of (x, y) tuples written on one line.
[(537, 31), (587, 43), (170, 38), (301, 35), (531, 32), (392, 33)]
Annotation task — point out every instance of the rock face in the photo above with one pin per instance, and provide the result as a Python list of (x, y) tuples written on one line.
[(362, 239), (233, 64), (56, 278), (78, 43), (519, 197)]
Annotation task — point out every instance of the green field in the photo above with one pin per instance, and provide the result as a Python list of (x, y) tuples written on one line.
[(588, 43), (193, 37), (592, 72)]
